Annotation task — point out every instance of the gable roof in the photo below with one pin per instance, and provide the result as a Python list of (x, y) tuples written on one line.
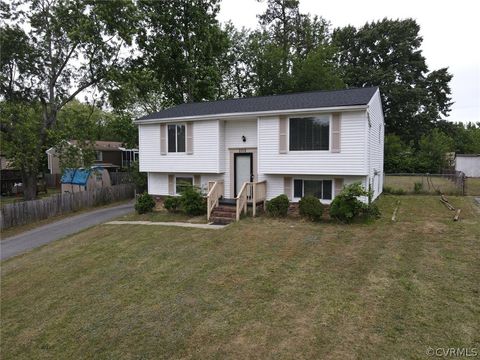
[(305, 100), (102, 145)]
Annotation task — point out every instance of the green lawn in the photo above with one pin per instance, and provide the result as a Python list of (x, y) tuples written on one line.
[(164, 216), (472, 186), (260, 288), (430, 184)]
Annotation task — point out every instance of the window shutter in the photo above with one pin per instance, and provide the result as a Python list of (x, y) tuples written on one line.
[(197, 180), (338, 185), (283, 132), (171, 184), (163, 139), (336, 125), (189, 145), (287, 187)]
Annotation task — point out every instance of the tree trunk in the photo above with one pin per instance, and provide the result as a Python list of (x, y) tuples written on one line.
[(29, 182)]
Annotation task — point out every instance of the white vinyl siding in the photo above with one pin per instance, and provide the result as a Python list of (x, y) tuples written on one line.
[(376, 132), (205, 157), (158, 182), (350, 161), (276, 185)]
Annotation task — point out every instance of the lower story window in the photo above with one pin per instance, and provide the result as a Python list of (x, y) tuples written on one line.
[(182, 182), (321, 189)]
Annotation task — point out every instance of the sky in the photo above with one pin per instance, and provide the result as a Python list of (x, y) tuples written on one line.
[(450, 32)]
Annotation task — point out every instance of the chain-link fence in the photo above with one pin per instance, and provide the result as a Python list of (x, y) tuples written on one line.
[(454, 183)]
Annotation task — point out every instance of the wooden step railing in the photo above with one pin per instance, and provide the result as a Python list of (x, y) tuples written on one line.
[(215, 192), (251, 192)]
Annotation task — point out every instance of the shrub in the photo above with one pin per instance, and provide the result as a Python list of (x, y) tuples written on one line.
[(346, 206), (311, 208), (417, 187), (192, 201), (145, 203), (278, 206), (172, 203), (372, 211)]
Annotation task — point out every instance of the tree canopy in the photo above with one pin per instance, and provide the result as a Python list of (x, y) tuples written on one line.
[(132, 57)]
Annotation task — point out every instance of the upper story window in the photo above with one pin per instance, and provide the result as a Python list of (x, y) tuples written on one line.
[(176, 138), (310, 133)]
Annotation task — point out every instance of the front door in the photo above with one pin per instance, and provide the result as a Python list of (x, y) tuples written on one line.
[(243, 170)]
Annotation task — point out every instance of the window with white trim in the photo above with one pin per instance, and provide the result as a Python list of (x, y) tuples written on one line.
[(176, 138), (310, 133), (182, 182), (321, 189)]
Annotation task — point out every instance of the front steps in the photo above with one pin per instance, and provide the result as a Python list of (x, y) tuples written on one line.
[(223, 214)]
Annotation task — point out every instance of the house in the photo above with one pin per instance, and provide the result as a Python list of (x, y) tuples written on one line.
[(77, 180), (298, 144), (5, 164), (469, 164), (110, 154)]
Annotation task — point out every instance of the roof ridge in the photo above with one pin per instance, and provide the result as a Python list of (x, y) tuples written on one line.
[(273, 95)]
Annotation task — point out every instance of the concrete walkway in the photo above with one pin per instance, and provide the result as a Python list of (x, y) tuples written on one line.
[(168, 223), (50, 232)]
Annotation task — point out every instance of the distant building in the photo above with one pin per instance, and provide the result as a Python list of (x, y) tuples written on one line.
[(469, 164), (5, 164), (109, 154)]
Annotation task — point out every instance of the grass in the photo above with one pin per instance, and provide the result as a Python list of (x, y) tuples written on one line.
[(164, 216), (429, 185), (22, 228), (472, 186), (260, 288)]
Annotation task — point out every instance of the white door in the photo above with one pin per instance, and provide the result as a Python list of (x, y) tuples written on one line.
[(243, 170)]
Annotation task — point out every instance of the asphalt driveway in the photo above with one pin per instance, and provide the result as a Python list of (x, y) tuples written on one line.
[(44, 234)]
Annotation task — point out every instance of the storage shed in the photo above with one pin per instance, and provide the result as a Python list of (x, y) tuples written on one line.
[(469, 164), (76, 180)]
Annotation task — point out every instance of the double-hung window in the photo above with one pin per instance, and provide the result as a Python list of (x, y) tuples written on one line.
[(310, 133), (176, 138), (321, 189)]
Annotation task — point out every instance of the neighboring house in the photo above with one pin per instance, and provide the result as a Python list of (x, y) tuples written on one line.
[(5, 164), (77, 180), (469, 164), (110, 154), (300, 144)]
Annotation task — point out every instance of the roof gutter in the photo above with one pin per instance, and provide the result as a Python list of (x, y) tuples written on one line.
[(252, 114)]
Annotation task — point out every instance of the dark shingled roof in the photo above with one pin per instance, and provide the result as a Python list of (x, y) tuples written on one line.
[(305, 100)]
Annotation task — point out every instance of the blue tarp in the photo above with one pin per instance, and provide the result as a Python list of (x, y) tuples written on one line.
[(77, 176)]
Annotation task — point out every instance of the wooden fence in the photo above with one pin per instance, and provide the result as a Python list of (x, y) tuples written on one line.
[(118, 178), (26, 212)]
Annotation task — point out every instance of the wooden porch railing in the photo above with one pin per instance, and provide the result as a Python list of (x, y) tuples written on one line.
[(215, 192), (251, 192)]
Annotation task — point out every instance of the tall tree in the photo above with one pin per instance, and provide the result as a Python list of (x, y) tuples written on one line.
[(292, 51), (281, 17), (238, 79), (182, 45), (387, 53), (62, 49)]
